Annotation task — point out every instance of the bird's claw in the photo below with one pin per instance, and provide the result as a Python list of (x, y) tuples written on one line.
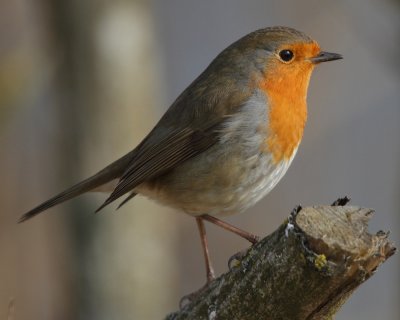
[(189, 298), (236, 259)]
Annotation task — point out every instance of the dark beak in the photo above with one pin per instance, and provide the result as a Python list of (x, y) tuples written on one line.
[(326, 56)]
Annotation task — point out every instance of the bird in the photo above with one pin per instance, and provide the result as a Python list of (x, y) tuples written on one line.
[(226, 141)]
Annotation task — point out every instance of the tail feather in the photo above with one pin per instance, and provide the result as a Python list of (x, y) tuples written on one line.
[(126, 200), (111, 172), (68, 194)]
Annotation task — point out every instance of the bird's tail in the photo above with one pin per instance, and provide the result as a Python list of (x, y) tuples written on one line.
[(109, 173)]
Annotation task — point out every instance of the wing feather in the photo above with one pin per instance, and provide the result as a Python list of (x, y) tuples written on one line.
[(156, 159)]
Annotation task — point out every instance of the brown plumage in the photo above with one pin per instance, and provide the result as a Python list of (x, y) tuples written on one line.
[(227, 139)]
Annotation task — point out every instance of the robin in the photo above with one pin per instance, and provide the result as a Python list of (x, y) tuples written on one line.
[(226, 141)]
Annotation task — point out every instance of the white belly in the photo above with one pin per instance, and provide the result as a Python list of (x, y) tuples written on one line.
[(260, 181), (229, 177)]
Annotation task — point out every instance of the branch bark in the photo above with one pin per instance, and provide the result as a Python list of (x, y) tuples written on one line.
[(306, 269)]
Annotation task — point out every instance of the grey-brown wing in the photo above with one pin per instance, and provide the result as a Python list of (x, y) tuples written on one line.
[(154, 159)]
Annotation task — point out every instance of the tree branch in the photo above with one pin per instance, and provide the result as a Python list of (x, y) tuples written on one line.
[(306, 269)]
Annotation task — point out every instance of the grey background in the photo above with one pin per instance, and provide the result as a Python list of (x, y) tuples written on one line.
[(68, 110)]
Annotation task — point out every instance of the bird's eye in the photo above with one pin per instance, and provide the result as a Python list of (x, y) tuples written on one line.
[(286, 55)]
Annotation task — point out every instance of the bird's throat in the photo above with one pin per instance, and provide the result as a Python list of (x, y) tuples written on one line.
[(287, 114)]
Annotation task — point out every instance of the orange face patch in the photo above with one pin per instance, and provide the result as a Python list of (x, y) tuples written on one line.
[(285, 85)]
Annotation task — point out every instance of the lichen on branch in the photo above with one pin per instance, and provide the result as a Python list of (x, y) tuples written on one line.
[(306, 269)]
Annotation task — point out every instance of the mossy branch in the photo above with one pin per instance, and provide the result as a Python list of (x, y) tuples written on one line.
[(306, 269)]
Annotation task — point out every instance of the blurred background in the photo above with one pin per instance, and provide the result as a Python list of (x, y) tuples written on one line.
[(82, 82)]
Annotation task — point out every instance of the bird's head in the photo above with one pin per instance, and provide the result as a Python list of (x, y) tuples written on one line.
[(279, 61)]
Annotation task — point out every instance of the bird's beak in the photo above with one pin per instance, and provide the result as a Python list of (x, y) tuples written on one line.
[(324, 56)]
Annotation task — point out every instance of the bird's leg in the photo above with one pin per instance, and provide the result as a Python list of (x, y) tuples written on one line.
[(244, 234), (202, 230), (209, 269)]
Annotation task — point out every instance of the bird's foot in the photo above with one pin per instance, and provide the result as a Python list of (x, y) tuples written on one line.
[(189, 298), (236, 259)]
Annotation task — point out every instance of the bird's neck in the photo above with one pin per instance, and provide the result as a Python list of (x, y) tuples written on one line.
[(287, 114)]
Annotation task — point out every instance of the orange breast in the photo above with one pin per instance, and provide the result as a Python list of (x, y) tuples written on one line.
[(286, 89)]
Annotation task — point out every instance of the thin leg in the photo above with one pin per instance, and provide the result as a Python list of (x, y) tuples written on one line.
[(244, 234), (202, 230)]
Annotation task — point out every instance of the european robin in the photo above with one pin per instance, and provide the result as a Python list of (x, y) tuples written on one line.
[(227, 140)]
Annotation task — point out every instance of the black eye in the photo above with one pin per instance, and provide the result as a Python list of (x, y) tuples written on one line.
[(286, 55)]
